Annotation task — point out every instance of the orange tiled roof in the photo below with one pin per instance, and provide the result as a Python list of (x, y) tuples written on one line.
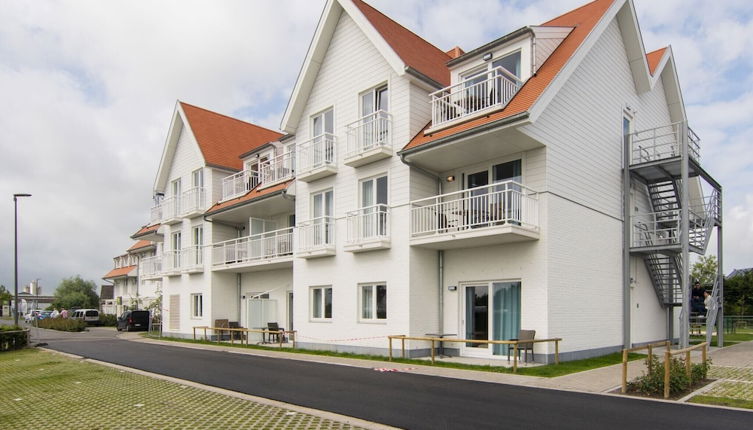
[(222, 139), (248, 197), (415, 52), (140, 244), (583, 19), (116, 273), (653, 59), (145, 230)]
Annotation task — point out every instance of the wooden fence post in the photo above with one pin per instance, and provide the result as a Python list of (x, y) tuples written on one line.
[(556, 352), (624, 370), (194, 333), (402, 345), (515, 358), (432, 351), (390, 339), (687, 363)]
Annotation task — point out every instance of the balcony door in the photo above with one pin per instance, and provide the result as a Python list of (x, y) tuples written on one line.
[(491, 312), (374, 207), (373, 123), (176, 246), (477, 199), (507, 201), (321, 211), (323, 147)]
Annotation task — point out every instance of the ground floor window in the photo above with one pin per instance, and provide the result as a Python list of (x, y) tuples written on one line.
[(373, 302), (321, 302), (197, 305)]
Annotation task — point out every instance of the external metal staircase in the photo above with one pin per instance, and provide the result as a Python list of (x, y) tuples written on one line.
[(657, 160)]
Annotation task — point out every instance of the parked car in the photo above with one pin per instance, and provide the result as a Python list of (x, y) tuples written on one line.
[(31, 315), (133, 321), (89, 316)]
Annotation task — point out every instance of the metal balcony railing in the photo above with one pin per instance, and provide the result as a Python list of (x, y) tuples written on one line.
[(239, 184), (267, 245), (151, 266), (193, 200), (368, 223), (466, 98), (317, 152), (663, 142), (486, 206), (369, 132), (663, 229), (171, 261), (277, 169), (192, 257), (316, 234)]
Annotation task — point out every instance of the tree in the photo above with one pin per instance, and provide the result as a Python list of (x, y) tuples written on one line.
[(74, 292), (705, 270), (738, 294), (5, 296)]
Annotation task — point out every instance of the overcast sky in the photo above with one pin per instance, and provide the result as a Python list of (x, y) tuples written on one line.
[(87, 89)]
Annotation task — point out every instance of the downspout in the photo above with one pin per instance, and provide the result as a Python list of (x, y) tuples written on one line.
[(533, 53), (238, 279)]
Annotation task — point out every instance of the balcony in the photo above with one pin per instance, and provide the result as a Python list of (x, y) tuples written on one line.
[(171, 263), (171, 210), (317, 158), (192, 259), (473, 97), (279, 169), (316, 238), (368, 229), (193, 201), (151, 267), (369, 139), (239, 184), (656, 153), (499, 213), (266, 251)]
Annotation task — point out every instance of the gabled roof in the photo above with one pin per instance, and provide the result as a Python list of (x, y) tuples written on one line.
[(653, 58), (404, 51), (588, 22), (251, 196), (583, 19), (415, 52), (143, 231), (222, 139), (119, 273), (140, 244)]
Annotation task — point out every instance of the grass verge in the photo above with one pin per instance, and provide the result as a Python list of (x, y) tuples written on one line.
[(546, 371), (46, 390), (722, 401), (729, 339)]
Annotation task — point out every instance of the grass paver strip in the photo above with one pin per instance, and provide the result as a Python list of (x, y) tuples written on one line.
[(54, 389), (735, 390)]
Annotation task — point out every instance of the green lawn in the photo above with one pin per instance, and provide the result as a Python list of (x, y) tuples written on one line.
[(41, 389), (547, 371), (722, 401), (729, 338)]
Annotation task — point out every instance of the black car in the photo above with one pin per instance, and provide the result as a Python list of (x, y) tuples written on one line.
[(133, 321)]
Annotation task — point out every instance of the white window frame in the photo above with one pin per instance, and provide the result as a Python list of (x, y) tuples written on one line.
[(321, 115), (372, 287), (176, 187), (321, 305), (197, 306), (197, 178)]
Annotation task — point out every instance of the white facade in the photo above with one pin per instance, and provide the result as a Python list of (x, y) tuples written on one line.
[(342, 233)]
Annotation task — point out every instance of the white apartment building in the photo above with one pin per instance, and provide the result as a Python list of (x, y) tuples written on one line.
[(132, 287), (546, 180)]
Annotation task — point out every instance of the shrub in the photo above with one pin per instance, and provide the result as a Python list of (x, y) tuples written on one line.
[(62, 324), (13, 337), (651, 383), (108, 320)]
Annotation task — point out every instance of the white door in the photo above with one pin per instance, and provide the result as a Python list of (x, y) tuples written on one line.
[(259, 312), (490, 311)]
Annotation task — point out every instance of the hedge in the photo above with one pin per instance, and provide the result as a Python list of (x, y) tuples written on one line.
[(12, 338)]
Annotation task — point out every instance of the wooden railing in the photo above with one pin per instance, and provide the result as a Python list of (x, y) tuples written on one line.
[(243, 334), (668, 353), (514, 344), (650, 347)]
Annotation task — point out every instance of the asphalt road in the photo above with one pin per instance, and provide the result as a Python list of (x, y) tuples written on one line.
[(398, 399)]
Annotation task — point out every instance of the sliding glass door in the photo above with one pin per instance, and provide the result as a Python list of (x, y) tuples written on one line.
[(491, 312)]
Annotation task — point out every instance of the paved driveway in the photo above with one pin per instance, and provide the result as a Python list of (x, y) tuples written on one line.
[(399, 399)]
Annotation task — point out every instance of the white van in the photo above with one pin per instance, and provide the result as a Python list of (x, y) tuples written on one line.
[(89, 316)]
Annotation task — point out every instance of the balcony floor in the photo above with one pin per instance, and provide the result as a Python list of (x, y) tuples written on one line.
[(473, 237), (275, 263)]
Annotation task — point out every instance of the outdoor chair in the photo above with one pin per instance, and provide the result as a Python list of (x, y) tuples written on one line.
[(526, 346), (221, 335), (273, 328), (238, 334)]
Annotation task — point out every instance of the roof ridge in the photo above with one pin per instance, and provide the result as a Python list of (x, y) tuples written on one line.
[(230, 117), (401, 26)]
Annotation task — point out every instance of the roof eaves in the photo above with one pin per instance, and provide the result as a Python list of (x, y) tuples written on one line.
[(245, 202), (491, 45)]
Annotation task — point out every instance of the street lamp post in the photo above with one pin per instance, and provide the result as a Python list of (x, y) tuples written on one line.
[(15, 249)]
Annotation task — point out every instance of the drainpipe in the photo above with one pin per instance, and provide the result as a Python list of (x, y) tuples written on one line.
[(238, 277)]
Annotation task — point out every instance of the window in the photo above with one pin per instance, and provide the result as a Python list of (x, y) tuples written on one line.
[(197, 178), (510, 62), (175, 187), (197, 305), (373, 302), (323, 123), (197, 234), (374, 206), (175, 243), (323, 146), (321, 303)]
